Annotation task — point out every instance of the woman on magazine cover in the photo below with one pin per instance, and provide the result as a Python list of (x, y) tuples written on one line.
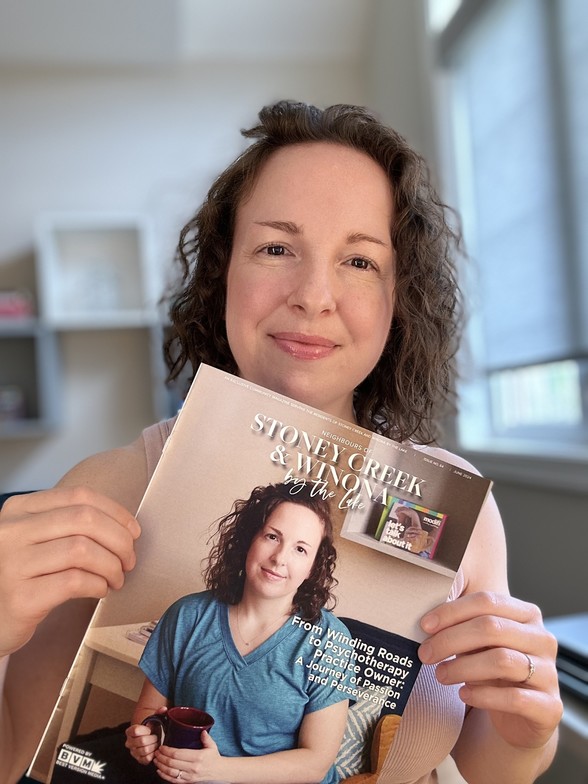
[(321, 265), (239, 650)]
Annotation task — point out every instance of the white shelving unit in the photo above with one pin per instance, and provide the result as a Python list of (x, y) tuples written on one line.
[(94, 273)]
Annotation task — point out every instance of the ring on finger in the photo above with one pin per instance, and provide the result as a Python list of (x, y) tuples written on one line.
[(531, 671)]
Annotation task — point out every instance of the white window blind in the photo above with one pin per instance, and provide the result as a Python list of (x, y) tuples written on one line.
[(502, 71), (573, 27), (518, 103)]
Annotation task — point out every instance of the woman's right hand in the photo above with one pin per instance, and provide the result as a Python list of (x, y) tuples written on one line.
[(141, 741), (55, 545)]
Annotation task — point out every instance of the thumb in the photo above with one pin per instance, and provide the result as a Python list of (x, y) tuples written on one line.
[(207, 741)]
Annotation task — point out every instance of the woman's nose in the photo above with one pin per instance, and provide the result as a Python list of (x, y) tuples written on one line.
[(278, 555), (314, 288)]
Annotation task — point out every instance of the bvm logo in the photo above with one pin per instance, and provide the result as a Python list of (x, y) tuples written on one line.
[(80, 761)]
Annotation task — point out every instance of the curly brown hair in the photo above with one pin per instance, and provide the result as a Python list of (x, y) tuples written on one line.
[(224, 573), (413, 382)]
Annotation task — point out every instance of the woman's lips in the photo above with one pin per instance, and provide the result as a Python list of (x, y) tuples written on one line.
[(271, 574), (304, 346)]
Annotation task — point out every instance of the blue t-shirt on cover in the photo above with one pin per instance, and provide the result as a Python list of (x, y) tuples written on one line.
[(258, 700)]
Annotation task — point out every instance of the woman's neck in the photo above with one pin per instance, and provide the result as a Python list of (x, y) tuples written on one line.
[(253, 621), (260, 609)]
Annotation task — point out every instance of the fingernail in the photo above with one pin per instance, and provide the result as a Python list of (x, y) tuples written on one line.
[(430, 622), (441, 673), (425, 652)]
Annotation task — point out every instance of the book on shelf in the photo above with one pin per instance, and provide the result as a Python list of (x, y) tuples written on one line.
[(410, 526), (16, 304), (142, 634), (230, 437)]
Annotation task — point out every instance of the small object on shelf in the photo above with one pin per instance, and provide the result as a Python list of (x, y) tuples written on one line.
[(142, 634), (94, 287), (15, 304), (12, 403)]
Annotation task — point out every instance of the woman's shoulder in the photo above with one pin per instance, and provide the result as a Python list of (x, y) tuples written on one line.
[(119, 473), (199, 599), (123, 473), (330, 622), (153, 440), (192, 605), (190, 612)]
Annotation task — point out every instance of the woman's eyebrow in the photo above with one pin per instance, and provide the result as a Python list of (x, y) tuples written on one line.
[(288, 226), (358, 236), (292, 228)]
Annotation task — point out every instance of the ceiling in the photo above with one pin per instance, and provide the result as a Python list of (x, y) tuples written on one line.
[(167, 32)]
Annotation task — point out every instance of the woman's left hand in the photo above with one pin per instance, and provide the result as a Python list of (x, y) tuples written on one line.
[(504, 657), (190, 764)]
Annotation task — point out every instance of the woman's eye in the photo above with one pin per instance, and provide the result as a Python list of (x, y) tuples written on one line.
[(272, 537), (275, 250), (360, 263), (301, 550)]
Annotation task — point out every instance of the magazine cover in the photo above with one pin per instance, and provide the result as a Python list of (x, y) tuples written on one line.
[(233, 439)]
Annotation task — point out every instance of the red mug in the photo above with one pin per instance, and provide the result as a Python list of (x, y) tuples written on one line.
[(181, 727)]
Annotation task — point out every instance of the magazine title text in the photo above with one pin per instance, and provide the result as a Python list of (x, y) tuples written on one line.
[(328, 463)]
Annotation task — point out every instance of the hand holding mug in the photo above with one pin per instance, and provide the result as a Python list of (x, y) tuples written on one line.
[(142, 741), (193, 765), (180, 727)]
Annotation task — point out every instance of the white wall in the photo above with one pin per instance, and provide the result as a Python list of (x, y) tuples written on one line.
[(398, 80)]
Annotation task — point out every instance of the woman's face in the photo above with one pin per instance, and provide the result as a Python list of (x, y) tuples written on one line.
[(310, 283), (282, 553)]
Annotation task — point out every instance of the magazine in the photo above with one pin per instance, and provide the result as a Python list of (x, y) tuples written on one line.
[(230, 437)]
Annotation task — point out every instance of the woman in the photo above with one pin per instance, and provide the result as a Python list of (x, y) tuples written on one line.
[(231, 650), (324, 272)]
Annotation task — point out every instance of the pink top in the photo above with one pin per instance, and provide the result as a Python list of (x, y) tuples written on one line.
[(434, 714)]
